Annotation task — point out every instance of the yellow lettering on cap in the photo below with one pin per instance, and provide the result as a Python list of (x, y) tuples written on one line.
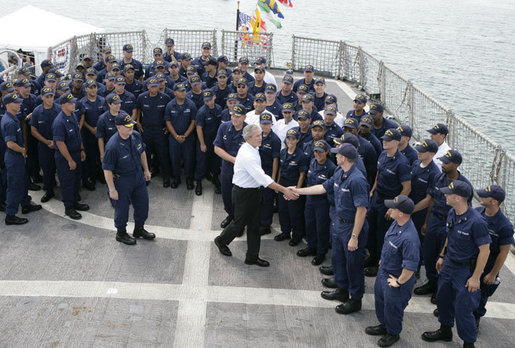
[(389, 132), (266, 117), (448, 154), (396, 200), (451, 186), (127, 118), (488, 189), (424, 144)]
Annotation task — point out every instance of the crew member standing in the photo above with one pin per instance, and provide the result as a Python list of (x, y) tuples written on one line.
[(396, 275), (124, 159), (248, 179)]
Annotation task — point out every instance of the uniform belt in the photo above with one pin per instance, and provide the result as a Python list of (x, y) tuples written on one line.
[(153, 127), (345, 221), (467, 263), (247, 188), (440, 216), (384, 196)]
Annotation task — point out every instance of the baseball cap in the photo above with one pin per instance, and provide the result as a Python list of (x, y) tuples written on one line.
[(242, 81), (243, 60), (208, 95), (427, 145), (169, 42), (46, 63), (128, 48), (152, 82), (12, 98), (292, 133), (63, 86), (260, 68), (260, 60), (346, 150), (67, 98), (238, 110), (106, 49), (191, 70), (330, 110), (186, 56), (451, 156), (392, 134), (405, 130), (288, 107), (179, 87), (160, 64), (318, 123), (360, 98), (78, 77), (270, 88), (350, 123), (211, 61), (265, 117), (375, 108), (232, 97), (260, 97), (223, 59), (303, 89), (366, 121), (494, 191), (195, 80), (7, 86), (348, 138), (127, 67), (123, 119), (439, 128), (309, 68), (221, 72), (120, 80), (330, 99), (307, 98), (157, 50), (22, 83), (321, 145), (50, 77), (319, 80), (92, 71), (115, 66), (303, 114), (206, 44), (402, 203), (47, 91), (91, 83), (110, 58), (458, 187), (113, 98), (160, 77), (111, 76), (288, 79)]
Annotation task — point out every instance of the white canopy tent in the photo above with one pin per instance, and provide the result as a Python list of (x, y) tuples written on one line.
[(57, 29)]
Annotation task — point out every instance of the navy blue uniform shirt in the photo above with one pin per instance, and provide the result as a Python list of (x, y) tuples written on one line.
[(332, 132), (136, 88), (401, 249), (11, 131), (152, 109), (180, 116), (138, 67), (66, 128), (292, 165), (410, 153), (123, 156), (501, 233), (92, 110), (387, 124), (422, 179), (304, 137), (221, 94), (301, 81), (352, 114), (319, 174), (42, 119), (391, 173), (229, 139), (270, 148), (106, 125), (197, 99), (440, 203), (209, 120)]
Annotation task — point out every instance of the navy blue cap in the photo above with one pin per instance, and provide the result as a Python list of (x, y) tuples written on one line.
[(221, 72), (405, 130), (169, 42), (307, 98), (232, 97), (128, 48), (92, 71), (321, 145), (106, 49), (110, 76), (190, 70), (402, 203), (47, 91), (260, 97), (110, 59), (50, 77), (116, 66), (24, 71), (458, 187), (86, 57), (330, 99), (179, 87), (494, 191), (260, 60), (451, 156), (303, 114), (206, 44), (303, 89), (309, 68), (288, 107), (157, 50), (22, 83), (243, 60), (439, 128), (152, 82), (292, 133), (78, 77), (124, 119), (207, 95), (270, 88), (238, 110), (348, 138), (113, 98), (375, 108), (211, 61), (288, 79), (127, 67), (318, 123), (195, 80), (223, 59), (120, 80), (67, 98), (7, 86), (186, 56), (265, 117), (46, 63), (350, 123), (330, 110), (366, 121), (63, 86), (174, 63), (346, 150), (91, 83), (361, 98), (160, 77), (242, 81), (427, 145), (236, 69), (260, 68), (319, 80), (159, 64), (392, 134), (12, 98)]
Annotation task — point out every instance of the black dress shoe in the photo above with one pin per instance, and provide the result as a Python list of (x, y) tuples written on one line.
[(468, 345), (433, 298), (336, 294), (369, 261), (444, 333), (81, 206), (306, 252), (387, 340), (326, 270), (318, 259), (123, 237), (34, 187), (294, 241), (189, 184), (427, 288), (166, 182), (378, 330), (72, 213), (141, 232), (47, 196), (14, 220), (349, 307), (329, 283), (226, 221), (198, 188), (174, 183), (88, 185), (259, 262), (436, 312), (224, 249), (30, 208), (282, 236), (240, 232), (371, 271), (264, 230)]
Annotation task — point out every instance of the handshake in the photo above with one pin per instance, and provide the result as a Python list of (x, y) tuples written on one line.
[(291, 193)]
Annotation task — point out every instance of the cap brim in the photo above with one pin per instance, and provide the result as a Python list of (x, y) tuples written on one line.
[(365, 124), (265, 121), (153, 85), (335, 149), (208, 98), (288, 110), (317, 148), (446, 190), (386, 137), (483, 193), (389, 203), (420, 148), (444, 159), (130, 125)]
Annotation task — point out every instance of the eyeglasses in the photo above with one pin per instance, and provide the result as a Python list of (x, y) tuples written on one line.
[(242, 86)]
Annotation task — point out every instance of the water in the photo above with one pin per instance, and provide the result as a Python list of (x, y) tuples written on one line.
[(461, 52)]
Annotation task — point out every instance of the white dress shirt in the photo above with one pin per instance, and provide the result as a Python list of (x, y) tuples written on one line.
[(280, 128), (269, 78), (253, 118), (442, 150), (248, 172)]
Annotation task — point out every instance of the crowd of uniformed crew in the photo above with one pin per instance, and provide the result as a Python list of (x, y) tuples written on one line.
[(191, 113)]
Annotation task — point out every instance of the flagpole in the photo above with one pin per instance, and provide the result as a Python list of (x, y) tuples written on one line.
[(237, 27)]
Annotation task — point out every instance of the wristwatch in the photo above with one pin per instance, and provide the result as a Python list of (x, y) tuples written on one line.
[(354, 235)]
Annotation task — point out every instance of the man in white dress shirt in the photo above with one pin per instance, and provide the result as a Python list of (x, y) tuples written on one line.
[(269, 78), (252, 117), (282, 126), (247, 181), (439, 134)]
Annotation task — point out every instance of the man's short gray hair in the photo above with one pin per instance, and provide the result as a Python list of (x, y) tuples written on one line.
[(247, 131)]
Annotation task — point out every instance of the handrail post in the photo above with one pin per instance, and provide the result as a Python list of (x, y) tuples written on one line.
[(411, 106), (340, 60), (293, 63), (361, 62), (450, 125), (144, 45), (382, 83)]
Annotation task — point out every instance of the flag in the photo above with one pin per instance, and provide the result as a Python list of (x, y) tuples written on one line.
[(245, 24), (256, 26), (270, 5), (286, 3), (268, 13)]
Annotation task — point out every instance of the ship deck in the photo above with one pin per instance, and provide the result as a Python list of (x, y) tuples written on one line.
[(66, 283)]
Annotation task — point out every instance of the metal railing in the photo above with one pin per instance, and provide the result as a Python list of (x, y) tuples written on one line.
[(485, 162)]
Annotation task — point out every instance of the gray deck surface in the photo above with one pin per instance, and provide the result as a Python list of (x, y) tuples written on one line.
[(66, 283)]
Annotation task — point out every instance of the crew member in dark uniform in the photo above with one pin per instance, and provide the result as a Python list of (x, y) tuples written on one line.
[(381, 124), (308, 80), (404, 147), (358, 111)]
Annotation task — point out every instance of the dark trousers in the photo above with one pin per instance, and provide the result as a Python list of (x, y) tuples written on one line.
[(182, 152), (69, 180), (247, 212), (47, 163), (378, 226), (32, 161), (434, 241), (206, 161), (131, 188), (317, 223), (17, 183), (226, 183), (92, 164), (157, 149)]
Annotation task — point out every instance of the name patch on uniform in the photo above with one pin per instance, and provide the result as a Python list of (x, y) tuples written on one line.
[(422, 180), (463, 233), (391, 171), (393, 245)]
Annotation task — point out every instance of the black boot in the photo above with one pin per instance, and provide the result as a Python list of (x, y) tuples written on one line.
[(189, 184), (81, 206), (427, 288), (123, 237), (378, 330), (30, 208), (327, 270), (349, 307), (318, 259), (468, 345), (198, 188), (306, 252), (47, 196), (166, 182), (336, 294), (140, 232), (226, 221), (264, 230), (72, 213), (14, 220), (329, 283), (444, 333), (218, 186), (387, 340)]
